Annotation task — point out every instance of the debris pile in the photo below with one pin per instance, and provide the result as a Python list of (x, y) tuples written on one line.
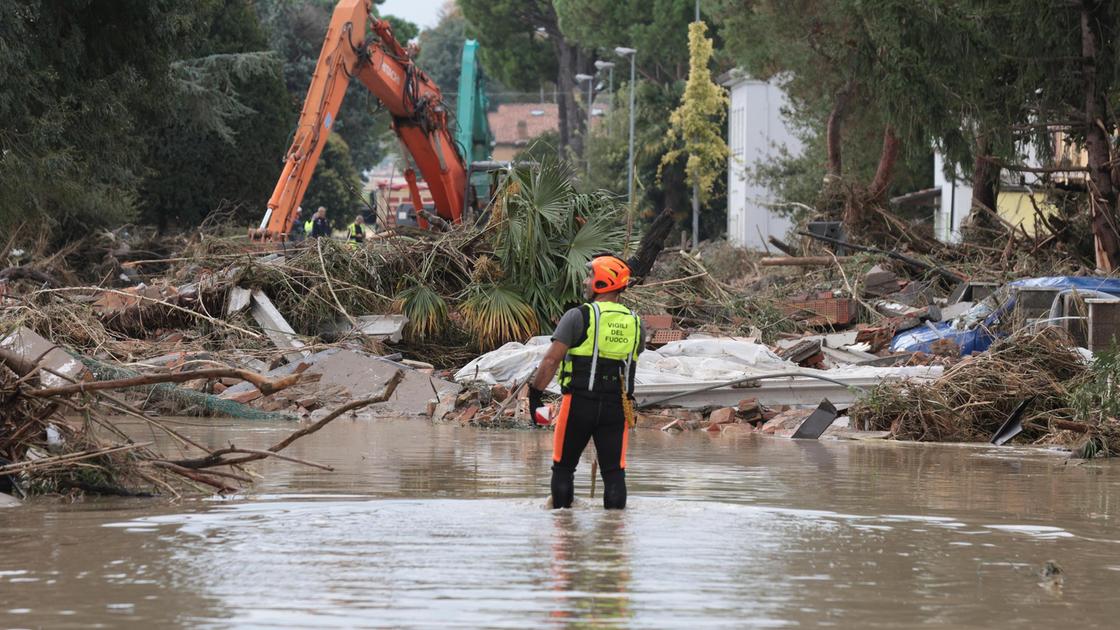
[(973, 399), (58, 433)]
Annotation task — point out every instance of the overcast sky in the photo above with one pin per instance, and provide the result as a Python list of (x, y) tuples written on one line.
[(422, 12)]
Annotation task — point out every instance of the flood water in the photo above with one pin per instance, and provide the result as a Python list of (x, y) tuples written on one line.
[(437, 526)]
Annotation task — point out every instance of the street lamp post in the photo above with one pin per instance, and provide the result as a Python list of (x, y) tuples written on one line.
[(622, 51), (609, 66), (696, 189), (587, 130)]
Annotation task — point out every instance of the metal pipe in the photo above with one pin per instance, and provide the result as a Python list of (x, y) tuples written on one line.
[(748, 379)]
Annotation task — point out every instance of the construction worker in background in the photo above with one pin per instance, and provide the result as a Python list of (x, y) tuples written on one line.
[(356, 231), (596, 347), (320, 228), (308, 225), (299, 226)]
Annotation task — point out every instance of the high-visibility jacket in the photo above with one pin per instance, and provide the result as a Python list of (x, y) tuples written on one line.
[(604, 362), (356, 232), (308, 225)]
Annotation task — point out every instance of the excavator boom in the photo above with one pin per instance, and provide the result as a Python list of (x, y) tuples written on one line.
[(358, 45)]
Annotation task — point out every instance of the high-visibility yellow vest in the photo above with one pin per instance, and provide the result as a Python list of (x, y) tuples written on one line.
[(602, 361), (355, 232), (308, 225)]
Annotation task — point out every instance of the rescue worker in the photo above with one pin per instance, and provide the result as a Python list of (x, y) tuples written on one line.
[(596, 347), (356, 231), (320, 228)]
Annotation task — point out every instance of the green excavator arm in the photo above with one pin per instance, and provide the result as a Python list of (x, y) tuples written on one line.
[(474, 136)]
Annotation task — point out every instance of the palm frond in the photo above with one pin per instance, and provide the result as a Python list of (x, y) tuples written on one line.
[(426, 311), (494, 315)]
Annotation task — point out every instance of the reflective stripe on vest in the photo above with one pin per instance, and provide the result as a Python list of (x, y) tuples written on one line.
[(612, 333)]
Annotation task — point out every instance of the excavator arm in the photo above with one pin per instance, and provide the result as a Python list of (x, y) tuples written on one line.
[(415, 102)]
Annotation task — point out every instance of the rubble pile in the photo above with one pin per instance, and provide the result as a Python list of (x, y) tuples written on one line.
[(58, 433), (868, 342), (972, 400)]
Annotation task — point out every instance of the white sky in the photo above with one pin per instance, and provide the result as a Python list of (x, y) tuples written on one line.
[(422, 12)]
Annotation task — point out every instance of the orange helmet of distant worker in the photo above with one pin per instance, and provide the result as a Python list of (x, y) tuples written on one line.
[(608, 274)]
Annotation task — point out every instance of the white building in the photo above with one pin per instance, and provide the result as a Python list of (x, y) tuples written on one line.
[(757, 132)]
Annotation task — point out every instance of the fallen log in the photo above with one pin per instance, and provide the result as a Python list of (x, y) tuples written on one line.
[(951, 276), (800, 261), (782, 245), (265, 385)]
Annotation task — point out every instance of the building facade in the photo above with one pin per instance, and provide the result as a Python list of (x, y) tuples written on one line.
[(757, 133)]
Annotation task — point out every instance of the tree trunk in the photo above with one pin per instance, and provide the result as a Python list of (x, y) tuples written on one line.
[(884, 173), (855, 210), (833, 133), (985, 176), (565, 77), (1098, 126)]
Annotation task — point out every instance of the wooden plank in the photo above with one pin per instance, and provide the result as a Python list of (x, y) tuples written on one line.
[(800, 261), (276, 327), (238, 300)]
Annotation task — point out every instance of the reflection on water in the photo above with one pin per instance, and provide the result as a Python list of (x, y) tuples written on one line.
[(442, 526)]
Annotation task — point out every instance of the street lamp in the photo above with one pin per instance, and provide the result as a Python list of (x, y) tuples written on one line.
[(622, 51), (609, 67), (587, 132)]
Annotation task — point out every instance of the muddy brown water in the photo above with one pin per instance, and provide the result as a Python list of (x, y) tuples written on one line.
[(437, 526)]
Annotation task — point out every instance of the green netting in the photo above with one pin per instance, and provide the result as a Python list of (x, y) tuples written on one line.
[(185, 401)]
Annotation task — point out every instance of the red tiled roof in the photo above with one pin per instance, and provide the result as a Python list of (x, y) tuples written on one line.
[(538, 118)]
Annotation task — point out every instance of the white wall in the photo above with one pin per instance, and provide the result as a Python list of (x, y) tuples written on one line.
[(756, 131), (956, 202)]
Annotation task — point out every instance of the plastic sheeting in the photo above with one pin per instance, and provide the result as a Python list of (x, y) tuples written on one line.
[(681, 361), (684, 365), (972, 332)]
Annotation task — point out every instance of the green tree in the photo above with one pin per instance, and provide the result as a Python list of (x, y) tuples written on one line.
[(524, 47), (80, 85), (657, 29), (234, 157), (826, 58), (441, 51), (696, 127)]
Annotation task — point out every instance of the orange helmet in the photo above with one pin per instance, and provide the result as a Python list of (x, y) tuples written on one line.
[(608, 274)]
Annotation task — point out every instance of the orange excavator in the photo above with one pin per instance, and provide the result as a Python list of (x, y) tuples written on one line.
[(420, 118)]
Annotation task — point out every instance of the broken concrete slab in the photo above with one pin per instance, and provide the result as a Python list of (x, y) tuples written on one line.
[(238, 300), (847, 356), (832, 340), (880, 282), (801, 351), (361, 375), (276, 327), (387, 327), (27, 348)]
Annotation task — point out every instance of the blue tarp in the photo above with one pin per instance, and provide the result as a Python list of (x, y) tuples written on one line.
[(972, 332)]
